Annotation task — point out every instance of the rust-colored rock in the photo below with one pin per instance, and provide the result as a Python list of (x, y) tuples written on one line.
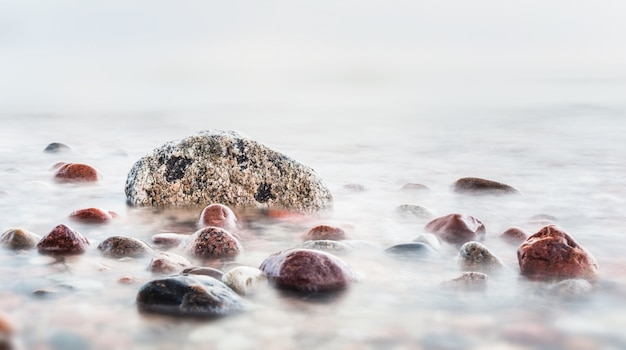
[(122, 247), (553, 255), (514, 235), (92, 216), (218, 215), (457, 228), (307, 270), (167, 263), (477, 185), (214, 242), (325, 232), (76, 172), (63, 240)]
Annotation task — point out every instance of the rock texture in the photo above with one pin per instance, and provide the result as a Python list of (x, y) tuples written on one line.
[(165, 263), (193, 296), (213, 242), (514, 235), (92, 216), (76, 172), (218, 215), (467, 281), (307, 271), (121, 247), (457, 228), (325, 232), (477, 185), (63, 240), (409, 211), (553, 255), (18, 238), (335, 247), (224, 167), (475, 256)]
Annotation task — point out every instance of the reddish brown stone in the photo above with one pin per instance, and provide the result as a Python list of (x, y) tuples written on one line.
[(307, 270), (457, 228), (92, 215), (167, 263), (468, 281), (218, 215), (214, 242), (477, 185), (76, 172), (514, 235), (331, 233), (553, 255), (121, 247), (168, 240), (63, 240)]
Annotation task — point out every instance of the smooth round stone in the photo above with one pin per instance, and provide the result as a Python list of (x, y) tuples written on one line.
[(430, 239), (121, 247), (215, 166), (63, 240), (168, 240), (214, 242), (307, 270), (168, 263), (475, 185), (325, 232), (553, 255), (411, 211), (92, 216), (192, 296), (337, 247), (218, 215), (244, 280), (572, 289), (514, 235), (457, 228), (467, 281), (412, 186), (76, 172), (475, 256), (56, 147), (17, 238), (205, 271), (416, 250)]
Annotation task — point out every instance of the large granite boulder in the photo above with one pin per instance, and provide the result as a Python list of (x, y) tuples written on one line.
[(224, 167)]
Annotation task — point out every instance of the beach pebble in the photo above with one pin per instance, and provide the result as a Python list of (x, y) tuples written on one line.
[(168, 240), (244, 280), (478, 185), (412, 250), (409, 211), (194, 296), (571, 289), (63, 240), (355, 187), (225, 167), (76, 172), (430, 239), (17, 238), (121, 247), (475, 256), (92, 215), (56, 147), (553, 255), (514, 235), (168, 263), (457, 228), (336, 247), (412, 186), (213, 242), (307, 270), (467, 281), (325, 232), (201, 270), (218, 215)]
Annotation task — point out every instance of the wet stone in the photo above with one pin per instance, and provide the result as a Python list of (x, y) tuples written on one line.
[(467, 281), (514, 235), (213, 242), (553, 255), (325, 232), (225, 167), (413, 250), (218, 215), (475, 256), (92, 216), (412, 186), (336, 247), (168, 263), (572, 289), (205, 271), (244, 280), (56, 147), (430, 239), (63, 240), (477, 185), (191, 296), (18, 238), (307, 270), (76, 172), (121, 247), (168, 240), (457, 228), (409, 211)]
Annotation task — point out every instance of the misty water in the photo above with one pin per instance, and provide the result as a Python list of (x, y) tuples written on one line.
[(369, 93)]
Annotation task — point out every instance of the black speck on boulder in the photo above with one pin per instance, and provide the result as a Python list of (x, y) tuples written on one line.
[(225, 167), (475, 185)]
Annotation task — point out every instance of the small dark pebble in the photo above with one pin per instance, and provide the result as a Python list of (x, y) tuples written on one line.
[(326, 232), (63, 240), (477, 185), (457, 228), (121, 247), (92, 216), (413, 250), (191, 296), (408, 211), (205, 271), (18, 238), (214, 242), (56, 147), (76, 172)]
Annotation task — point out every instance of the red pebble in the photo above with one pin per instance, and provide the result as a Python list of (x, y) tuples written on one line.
[(76, 172), (63, 240), (218, 215), (514, 235), (92, 215), (214, 242), (325, 232), (457, 228)]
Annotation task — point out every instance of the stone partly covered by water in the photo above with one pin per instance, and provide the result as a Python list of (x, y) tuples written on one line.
[(553, 255), (213, 242), (17, 238), (335, 247), (225, 167), (514, 235), (410, 211), (326, 232), (124, 247), (467, 281), (218, 215), (244, 279), (457, 228), (92, 216), (167, 263), (76, 172), (477, 185), (412, 250), (474, 256), (168, 239), (571, 289), (193, 296), (57, 147), (63, 240), (430, 239), (307, 270), (202, 270)]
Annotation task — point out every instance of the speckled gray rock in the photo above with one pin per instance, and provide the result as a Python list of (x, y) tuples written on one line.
[(123, 247), (475, 256), (468, 281), (17, 238), (244, 279), (411, 211), (225, 167), (335, 247)]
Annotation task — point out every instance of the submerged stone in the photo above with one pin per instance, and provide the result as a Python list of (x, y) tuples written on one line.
[(120, 247), (218, 215), (17, 238), (475, 256), (63, 240), (457, 228), (168, 239), (167, 263), (225, 167), (514, 235), (467, 281), (192, 296), (76, 172), (201, 270), (56, 147), (571, 289), (430, 239), (325, 232), (416, 250), (408, 211), (244, 279), (477, 185), (92, 215), (213, 242), (412, 186), (326, 245)]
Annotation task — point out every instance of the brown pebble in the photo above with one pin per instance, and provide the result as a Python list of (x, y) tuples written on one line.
[(218, 215), (514, 235), (19, 239), (457, 228), (127, 280), (92, 216), (121, 247), (63, 240), (76, 172), (478, 185), (166, 263), (214, 242), (553, 255), (468, 281), (325, 232), (168, 240)]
